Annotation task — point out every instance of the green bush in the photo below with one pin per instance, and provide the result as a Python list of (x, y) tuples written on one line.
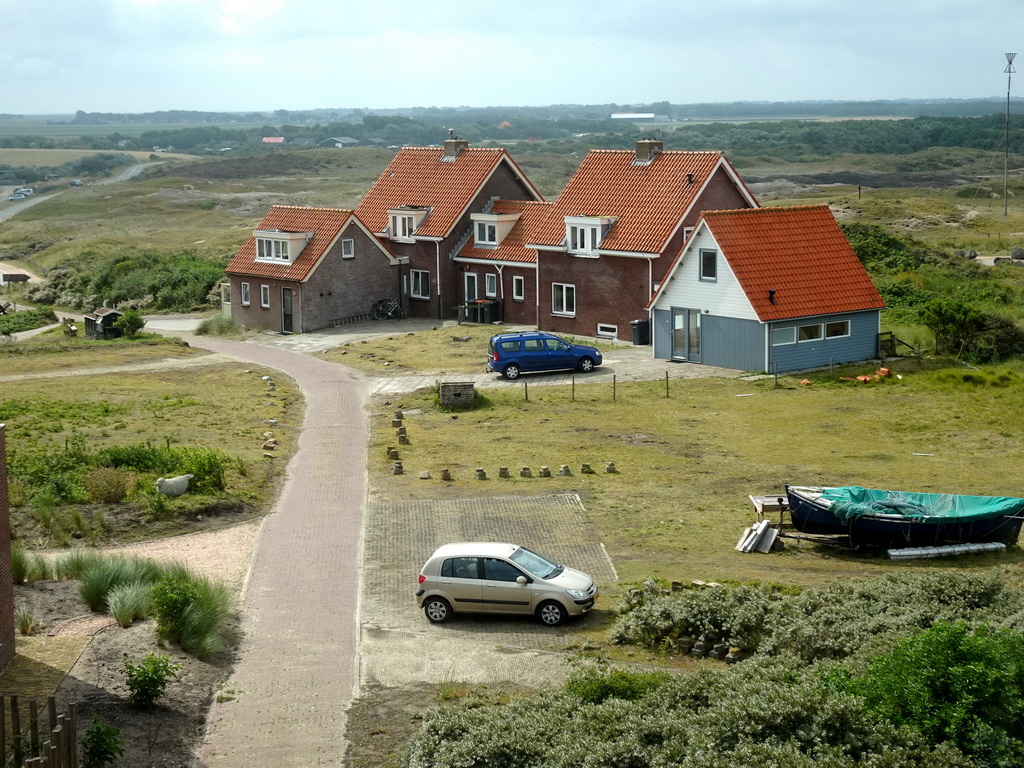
[(26, 320), (193, 612), (107, 485), (954, 685), (764, 712), (596, 684), (218, 325), (101, 745), (148, 679), (130, 323), (74, 563)]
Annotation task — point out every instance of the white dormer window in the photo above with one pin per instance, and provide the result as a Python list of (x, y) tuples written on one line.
[(583, 234), (489, 229), (279, 247), (403, 222), (486, 234)]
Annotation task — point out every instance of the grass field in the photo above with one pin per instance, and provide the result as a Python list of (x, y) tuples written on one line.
[(678, 502), (222, 405)]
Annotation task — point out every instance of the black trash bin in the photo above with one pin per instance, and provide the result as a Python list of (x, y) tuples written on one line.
[(472, 312), (641, 331), (491, 312)]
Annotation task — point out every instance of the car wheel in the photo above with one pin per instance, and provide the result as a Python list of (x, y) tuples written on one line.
[(437, 609), (585, 364), (551, 613), (511, 371)]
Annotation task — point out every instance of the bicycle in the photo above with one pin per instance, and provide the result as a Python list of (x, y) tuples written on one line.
[(388, 309)]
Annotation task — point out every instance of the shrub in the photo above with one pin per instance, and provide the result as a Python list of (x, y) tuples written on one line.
[(218, 325), (594, 685), (127, 602), (101, 745), (130, 323), (148, 679), (107, 485), (954, 685), (193, 613)]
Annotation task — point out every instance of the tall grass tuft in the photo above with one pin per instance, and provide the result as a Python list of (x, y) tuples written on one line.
[(128, 602), (26, 566), (26, 622), (73, 564), (97, 581), (193, 612)]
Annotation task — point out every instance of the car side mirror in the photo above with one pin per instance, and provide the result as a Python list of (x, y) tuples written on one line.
[(521, 580)]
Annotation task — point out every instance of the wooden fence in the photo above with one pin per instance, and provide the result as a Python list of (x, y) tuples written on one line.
[(25, 742)]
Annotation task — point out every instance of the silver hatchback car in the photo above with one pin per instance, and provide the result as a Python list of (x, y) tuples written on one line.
[(488, 577)]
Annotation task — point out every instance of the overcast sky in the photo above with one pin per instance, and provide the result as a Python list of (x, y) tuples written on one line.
[(60, 56)]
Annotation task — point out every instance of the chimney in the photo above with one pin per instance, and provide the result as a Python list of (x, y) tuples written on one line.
[(646, 149), (453, 145)]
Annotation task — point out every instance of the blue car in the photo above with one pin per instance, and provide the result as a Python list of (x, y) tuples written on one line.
[(511, 354)]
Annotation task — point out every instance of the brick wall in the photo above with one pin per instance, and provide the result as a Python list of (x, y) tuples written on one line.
[(457, 394), (6, 581)]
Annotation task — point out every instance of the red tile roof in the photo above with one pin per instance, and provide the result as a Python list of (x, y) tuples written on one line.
[(325, 224), (649, 200), (417, 176), (801, 254), (513, 246)]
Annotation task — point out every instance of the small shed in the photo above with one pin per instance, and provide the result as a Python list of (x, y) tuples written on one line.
[(100, 324)]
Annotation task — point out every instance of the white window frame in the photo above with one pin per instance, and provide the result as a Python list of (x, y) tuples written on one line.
[(704, 276), (687, 231), (265, 296), (486, 233), (831, 325), (563, 305), (583, 234), (419, 284), (348, 248), (607, 331), (518, 288), (490, 285), (777, 333), (244, 295), (402, 226), (806, 333)]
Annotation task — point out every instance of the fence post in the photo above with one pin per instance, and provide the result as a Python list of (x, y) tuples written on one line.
[(33, 726), (666, 383), (526, 389), (613, 385), (573, 388), (72, 741), (16, 729)]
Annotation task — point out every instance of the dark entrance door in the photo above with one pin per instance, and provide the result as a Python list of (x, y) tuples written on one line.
[(286, 310)]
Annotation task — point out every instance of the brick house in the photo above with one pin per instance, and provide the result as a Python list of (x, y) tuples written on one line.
[(307, 268), (421, 207), (611, 235), (495, 263), (767, 289)]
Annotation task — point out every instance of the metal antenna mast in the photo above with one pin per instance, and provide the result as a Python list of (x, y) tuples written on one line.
[(1006, 153)]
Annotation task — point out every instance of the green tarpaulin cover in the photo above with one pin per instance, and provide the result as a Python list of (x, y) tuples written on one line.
[(851, 502)]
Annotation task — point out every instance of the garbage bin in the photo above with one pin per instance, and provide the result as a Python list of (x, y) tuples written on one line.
[(491, 311), (472, 312), (641, 331)]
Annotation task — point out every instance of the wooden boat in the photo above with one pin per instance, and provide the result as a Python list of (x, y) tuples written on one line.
[(897, 518)]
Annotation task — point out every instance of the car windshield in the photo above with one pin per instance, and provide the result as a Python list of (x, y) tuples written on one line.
[(539, 566)]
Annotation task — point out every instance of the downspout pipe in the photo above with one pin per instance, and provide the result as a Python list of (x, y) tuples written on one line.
[(440, 292)]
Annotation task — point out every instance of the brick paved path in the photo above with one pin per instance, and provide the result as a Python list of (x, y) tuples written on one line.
[(297, 667)]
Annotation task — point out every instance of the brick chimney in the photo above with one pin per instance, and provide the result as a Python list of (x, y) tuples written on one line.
[(646, 149), (453, 145), (6, 581)]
